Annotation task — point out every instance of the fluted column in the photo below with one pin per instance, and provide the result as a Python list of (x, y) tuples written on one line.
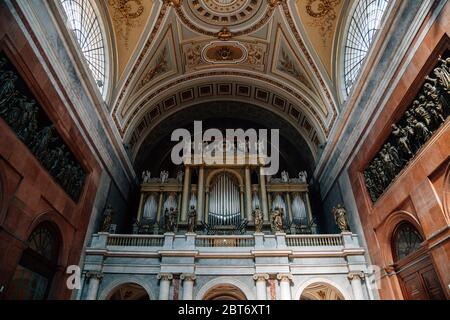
[(355, 280), (248, 194), (185, 196), (261, 289), (285, 285), (200, 193), (164, 285), (262, 184), (188, 286), (94, 283)]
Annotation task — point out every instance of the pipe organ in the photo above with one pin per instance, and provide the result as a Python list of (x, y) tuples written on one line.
[(225, 199)]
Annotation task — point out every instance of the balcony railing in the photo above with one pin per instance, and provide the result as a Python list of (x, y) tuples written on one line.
[(170, 241), (135, 240), (222, 241), (313, 240)]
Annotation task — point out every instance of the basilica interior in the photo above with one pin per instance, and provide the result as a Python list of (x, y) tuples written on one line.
[(352, 96)]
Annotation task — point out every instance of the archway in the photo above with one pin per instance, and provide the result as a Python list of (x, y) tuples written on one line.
[(129, 291), (321, 291), (32, 279), (224, 292), (413, 264)]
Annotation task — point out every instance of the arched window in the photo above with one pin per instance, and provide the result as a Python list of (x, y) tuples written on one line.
[(34, 273), (84, 23), (364, 23), (406, 240)]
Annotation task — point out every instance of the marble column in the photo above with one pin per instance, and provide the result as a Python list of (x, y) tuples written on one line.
[(355, 280), (185, 196), (141, 204), (241, 199), (160, 204), (94, 282), (206, 204), (289, 206), (188, 286), (262, 183), (164, 285), (200, 193), (248, 194), (285, 285), (261, 290)]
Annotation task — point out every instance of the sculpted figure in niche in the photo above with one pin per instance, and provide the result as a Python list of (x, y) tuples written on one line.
[(340, 216)]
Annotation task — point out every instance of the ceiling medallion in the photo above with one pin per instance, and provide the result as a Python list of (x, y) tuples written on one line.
[(224, 52)]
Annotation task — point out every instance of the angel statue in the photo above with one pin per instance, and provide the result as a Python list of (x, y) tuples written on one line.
[(302, 176), (340, 216), (277, 219)]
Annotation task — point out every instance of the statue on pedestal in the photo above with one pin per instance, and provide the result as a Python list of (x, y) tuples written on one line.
[(277, 219), (303, 176), (164, 175), (258, 216), (284, 176), (340, 216), (191, 219), (170, 219), (107, 219)]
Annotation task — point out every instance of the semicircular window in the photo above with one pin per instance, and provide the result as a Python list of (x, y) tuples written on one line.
[(85, 25), (364, 24), (406, 240)]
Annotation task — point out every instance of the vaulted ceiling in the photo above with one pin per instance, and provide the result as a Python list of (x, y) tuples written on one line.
[(174, 54)]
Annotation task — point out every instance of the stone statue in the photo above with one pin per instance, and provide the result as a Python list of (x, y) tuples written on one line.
[(180, 175), (170, 217), (340, 216), (258, 216), (146, 176), (303, 176), (164, 175), (285, 176), (277, 219), (191, 219), (107, 219)]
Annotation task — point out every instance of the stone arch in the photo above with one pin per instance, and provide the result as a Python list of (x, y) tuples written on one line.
[(249, 294), (111, 288), (215, 172), (320, 280), (386, 230)]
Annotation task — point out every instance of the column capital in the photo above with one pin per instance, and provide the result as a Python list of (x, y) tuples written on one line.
[(94, 274), (285, 277), (356, 275), (165, 276), (188, 277), (260, 276)]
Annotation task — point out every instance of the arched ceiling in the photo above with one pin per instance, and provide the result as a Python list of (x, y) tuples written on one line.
[(275, 54)]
